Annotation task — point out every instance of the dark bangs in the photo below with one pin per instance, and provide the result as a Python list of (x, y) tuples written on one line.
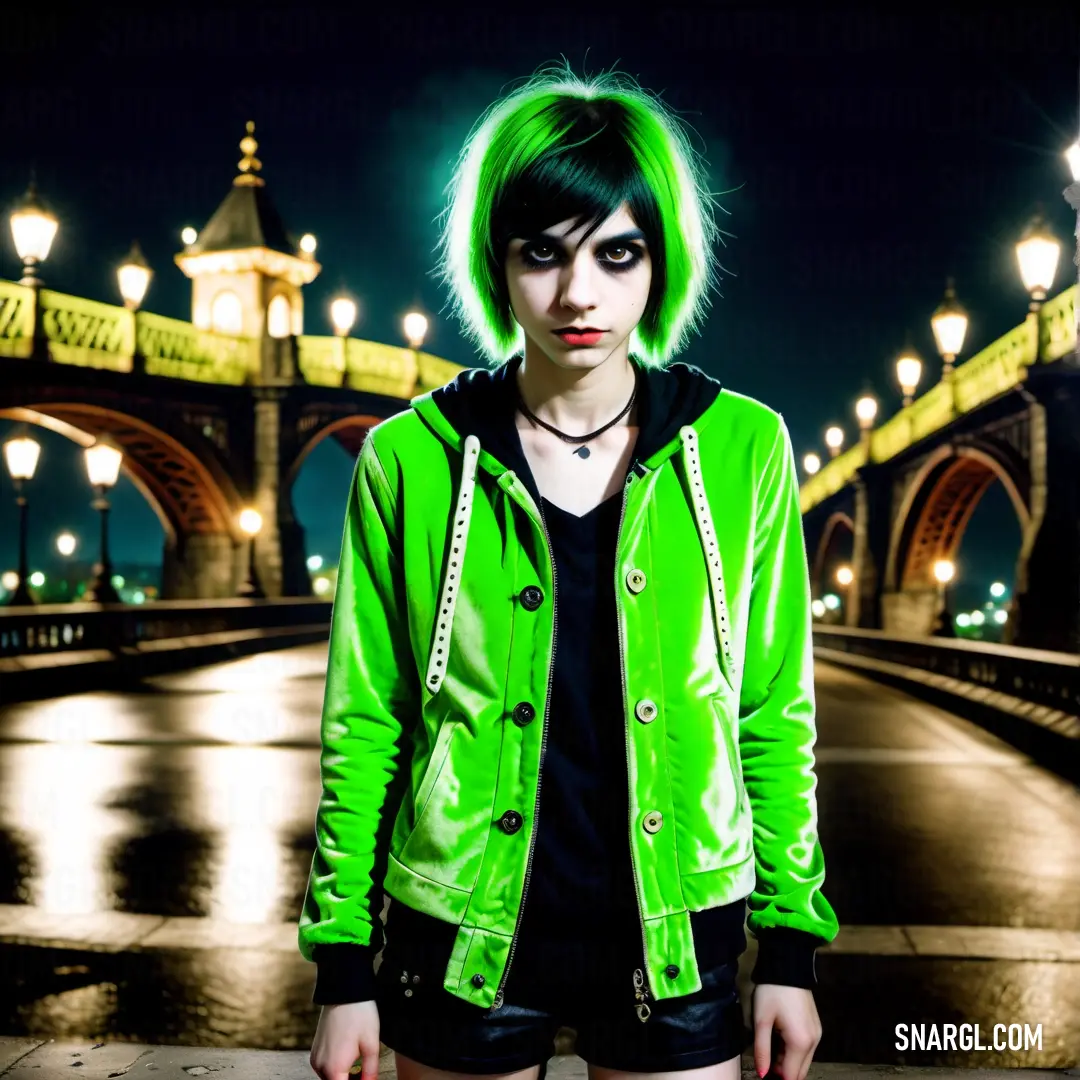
[(586, 174)]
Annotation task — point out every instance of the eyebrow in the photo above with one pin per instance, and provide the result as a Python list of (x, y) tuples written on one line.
[(622, 238)]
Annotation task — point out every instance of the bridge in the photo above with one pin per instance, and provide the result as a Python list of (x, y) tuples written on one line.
[(214, 415)]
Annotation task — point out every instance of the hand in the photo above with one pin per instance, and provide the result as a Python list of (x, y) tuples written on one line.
[(345, 1033), (792, 1011)]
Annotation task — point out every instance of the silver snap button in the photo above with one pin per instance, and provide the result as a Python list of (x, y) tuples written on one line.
[(653, 821), (645, 710), (635, 580)]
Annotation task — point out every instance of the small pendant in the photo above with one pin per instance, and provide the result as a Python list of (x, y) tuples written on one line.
[(582, 451)]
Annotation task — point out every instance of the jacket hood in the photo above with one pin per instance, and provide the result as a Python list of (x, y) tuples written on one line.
[(482, 402)]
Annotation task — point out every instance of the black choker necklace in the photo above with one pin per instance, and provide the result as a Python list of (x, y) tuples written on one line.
[(581, 451)]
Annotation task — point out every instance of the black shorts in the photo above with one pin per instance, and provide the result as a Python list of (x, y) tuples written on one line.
[(583, 982)]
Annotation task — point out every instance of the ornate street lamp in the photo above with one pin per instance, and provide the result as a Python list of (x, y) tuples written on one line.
[(865, 410), (944, 572), (1037, 253), (103, 467), (21, 454), (908, 373), (949, 323), (343, 316), (251, 522), (834, 439), (33, 227), (415, 326), (133, 276)]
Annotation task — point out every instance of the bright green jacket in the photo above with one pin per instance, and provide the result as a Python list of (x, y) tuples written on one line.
[(440, 657)]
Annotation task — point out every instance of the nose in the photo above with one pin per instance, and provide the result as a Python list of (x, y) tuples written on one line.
[(578, 285)]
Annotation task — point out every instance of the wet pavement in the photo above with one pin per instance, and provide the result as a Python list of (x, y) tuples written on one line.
[(154, 851)]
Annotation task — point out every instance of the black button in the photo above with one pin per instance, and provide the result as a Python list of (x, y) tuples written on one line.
[(511, 821), (671, 971), (531, 597), (478, 980), (524, 713)]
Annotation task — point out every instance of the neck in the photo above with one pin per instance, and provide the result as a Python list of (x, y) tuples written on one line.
[(576, 400)]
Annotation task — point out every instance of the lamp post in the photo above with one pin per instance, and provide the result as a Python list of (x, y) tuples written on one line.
[(908, 373), (133, 278), (834, 439), (944, 571), (103, 467), (343, 316), (844, 577), (1037, 253), (865, 411), (949, 323), (1072, 197), (33, 228), (251, 522), (415, 326), (21, 454)]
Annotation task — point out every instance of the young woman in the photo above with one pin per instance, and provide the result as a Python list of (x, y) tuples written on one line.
[(569, 715)]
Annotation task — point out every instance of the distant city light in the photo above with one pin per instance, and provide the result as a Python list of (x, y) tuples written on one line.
[(844, 575), (65, 543), (37, 579), (831, 601), (1001, 617), (997, 589), (314, 562), (307, 244), (10, 580), (188, 235), (818, 608), (963, 619), (118, 581), (977, 618), (321, 585), (139, 596)]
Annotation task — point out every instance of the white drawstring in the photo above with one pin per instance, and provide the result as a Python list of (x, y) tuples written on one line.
[(707, 535), (440, 649)]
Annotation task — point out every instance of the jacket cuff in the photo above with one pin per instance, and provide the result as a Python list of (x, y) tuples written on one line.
[(346, 973), (786, 957)]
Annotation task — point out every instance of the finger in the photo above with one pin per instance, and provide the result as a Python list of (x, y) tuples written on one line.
[(371, 1064), (762, 1044), (796, 1062)]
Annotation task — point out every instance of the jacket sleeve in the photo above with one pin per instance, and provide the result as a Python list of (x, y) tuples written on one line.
[(372, 686), (788, 914)]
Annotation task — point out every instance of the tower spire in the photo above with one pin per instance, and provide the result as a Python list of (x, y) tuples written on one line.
[(249, 164)]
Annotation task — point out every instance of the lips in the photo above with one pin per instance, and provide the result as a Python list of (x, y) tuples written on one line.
[(580, 336)]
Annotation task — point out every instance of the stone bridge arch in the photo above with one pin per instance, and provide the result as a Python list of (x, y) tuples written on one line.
[(838, 525), (192, 495), (929, 524)]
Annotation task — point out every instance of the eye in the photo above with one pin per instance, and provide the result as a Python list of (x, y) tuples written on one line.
[(530, 258)]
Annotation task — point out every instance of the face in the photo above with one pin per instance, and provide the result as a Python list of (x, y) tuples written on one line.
[(559, 280)]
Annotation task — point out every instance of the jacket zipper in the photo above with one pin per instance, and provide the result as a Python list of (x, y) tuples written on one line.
[(497, 1003), (641, 984)]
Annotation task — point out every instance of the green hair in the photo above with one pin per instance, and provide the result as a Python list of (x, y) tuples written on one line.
[(561, 147)]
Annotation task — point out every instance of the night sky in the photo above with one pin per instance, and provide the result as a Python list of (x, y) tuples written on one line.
[(862, 157)]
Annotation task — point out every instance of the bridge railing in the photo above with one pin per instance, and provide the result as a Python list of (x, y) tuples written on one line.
[(55, 629), (986, 375), (88, 333), (1037, 676)]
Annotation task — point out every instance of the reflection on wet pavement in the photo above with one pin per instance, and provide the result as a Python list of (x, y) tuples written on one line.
[(154, 850)]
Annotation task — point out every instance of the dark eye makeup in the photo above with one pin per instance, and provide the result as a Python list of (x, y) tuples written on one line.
[(631, 253)]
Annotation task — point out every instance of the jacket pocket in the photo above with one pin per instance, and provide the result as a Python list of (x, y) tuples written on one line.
[(731, 744)]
